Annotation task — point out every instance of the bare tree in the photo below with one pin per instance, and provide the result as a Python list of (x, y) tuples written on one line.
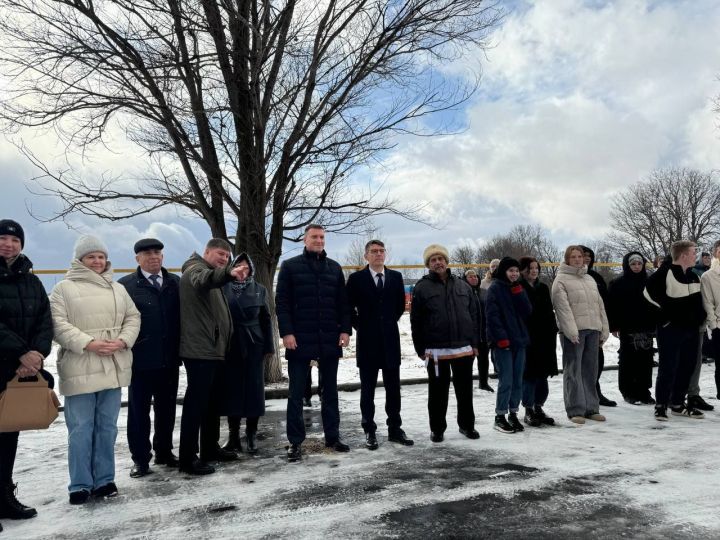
[(465, 254), (522, 240), (670, 204), (253, 114)]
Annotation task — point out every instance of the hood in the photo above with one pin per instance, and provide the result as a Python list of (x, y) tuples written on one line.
[(505, 264), (21, 265), (79, 272), (626, 266), (565, 268), (245, 257), (592, 256)]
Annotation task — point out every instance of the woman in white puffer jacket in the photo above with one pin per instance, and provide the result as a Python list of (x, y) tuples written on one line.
[(96, 323), (584, 328)]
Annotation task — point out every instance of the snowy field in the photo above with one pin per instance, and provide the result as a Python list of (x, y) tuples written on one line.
[(629, 477)]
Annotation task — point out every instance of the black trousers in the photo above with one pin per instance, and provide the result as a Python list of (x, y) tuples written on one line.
[(200, 409), (251, 424), (483, 362), (158, 386), (439, 388), (678, 349), (601, 366), (8, 451), (308, 384), (368, 383), (297, 375), (635, 367)]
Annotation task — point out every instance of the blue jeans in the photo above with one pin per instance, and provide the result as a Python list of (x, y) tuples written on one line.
[(91, 421), (535, 392), (509, 364)]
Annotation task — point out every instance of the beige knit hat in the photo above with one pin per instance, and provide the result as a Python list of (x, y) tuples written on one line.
[(435, 249)]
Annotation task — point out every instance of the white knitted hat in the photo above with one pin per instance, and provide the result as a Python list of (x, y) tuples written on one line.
[(87, 244)]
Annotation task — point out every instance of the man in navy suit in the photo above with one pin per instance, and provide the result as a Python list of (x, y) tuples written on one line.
[(377, 299)]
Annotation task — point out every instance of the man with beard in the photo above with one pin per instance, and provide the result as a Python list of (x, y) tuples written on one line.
[(444, 323)]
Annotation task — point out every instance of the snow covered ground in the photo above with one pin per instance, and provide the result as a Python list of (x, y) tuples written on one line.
[(629, 477)]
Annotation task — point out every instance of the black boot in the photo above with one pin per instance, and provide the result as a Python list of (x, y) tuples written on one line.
[(544, 418), (514, 422), (233, 442), (10, 507), (251, 442), (531, 419)]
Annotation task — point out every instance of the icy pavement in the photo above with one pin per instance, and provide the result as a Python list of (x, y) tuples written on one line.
[(631, 476)]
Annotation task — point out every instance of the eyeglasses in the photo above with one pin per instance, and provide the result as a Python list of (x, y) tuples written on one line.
[(377, 251)]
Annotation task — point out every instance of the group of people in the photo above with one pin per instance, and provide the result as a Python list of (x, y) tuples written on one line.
[(215, 320)]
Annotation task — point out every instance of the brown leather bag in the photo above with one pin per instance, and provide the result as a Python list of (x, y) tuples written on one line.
[(27, 404)]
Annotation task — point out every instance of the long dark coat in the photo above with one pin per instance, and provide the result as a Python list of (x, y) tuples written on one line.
[(540, 355), (158, 344), (628, 310), (25, 320), (375, 315), (252, 339), (311, 304)]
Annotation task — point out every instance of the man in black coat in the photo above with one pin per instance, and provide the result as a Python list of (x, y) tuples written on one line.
[(156, 360), (589, 260), (26, 333), (377, 301), (314, 322), (444, 324)]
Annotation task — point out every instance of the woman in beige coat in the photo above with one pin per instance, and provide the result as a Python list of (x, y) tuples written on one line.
[(583, 328), (710, 287), (96, 323)]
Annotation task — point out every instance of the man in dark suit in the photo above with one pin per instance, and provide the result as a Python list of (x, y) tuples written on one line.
[(156, 360), (314, 322), (377, 300)]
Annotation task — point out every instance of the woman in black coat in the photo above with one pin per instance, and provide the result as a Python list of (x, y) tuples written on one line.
[(541, 355), (26, 333), (632, 319), (252, 341)]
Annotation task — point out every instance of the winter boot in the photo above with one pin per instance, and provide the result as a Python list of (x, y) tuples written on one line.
[(544, 418), (531, 419), (251, 441), (502, 425), (233, 442), (10, 507), (514, 422)]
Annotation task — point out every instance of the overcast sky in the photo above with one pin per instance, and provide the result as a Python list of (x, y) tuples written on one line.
[(578, 100)]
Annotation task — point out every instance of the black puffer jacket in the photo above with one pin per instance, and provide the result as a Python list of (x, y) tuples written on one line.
[(443, 314), (25, 320), (158, 344), (312, 304), (628, 310)]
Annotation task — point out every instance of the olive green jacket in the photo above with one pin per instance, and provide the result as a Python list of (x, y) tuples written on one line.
[(205, 322)]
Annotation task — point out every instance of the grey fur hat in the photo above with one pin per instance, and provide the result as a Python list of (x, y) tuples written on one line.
[(87, 244)]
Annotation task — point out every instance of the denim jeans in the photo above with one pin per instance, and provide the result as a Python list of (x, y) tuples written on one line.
[(509, 364), (91, 421)]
